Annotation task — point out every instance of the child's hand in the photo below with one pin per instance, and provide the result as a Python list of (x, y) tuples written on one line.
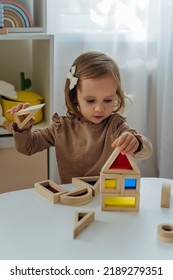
[(8, 125), (127, 143), (17, 108)]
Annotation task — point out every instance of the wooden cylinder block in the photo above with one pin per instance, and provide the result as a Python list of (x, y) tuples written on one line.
[(165, 232)]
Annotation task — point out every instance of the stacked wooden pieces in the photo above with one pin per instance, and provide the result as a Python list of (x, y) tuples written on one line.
[(120, 183)]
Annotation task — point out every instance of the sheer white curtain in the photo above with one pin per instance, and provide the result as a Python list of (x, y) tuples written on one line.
[(138, 34), (165, 90)]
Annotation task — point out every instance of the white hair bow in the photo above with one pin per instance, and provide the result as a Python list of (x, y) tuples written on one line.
[(72, 78)]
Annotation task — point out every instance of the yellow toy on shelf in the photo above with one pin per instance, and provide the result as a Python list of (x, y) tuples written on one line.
[(22, 96), (8, 91)]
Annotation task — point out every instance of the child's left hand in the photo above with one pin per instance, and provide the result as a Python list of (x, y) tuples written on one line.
[(127, 143)]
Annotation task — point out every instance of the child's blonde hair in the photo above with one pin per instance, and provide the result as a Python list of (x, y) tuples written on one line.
[(91, 65)]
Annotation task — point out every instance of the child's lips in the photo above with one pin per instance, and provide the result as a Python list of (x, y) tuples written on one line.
[(99, 117)]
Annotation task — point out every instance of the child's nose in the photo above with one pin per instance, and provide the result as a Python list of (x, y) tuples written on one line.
[(99, 108)]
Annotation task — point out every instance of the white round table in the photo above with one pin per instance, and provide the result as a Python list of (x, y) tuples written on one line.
[(33, 228)]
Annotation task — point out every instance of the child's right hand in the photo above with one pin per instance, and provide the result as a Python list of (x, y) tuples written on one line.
[(17, 108)]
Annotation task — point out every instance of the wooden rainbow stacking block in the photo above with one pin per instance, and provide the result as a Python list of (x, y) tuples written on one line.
[(120, 183), (2, 29)]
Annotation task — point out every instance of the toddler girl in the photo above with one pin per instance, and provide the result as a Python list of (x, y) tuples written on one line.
[(93, 125)]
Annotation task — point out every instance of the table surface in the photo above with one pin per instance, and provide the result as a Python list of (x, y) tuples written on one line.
[(34, 228)]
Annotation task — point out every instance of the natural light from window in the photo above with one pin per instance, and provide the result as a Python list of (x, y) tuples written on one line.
[(115, 15)]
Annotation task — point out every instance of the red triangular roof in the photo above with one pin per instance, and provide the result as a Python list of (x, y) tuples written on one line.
[(118, 163), (121, 162)]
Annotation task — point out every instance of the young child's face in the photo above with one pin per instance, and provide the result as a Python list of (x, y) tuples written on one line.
[(96, 98)]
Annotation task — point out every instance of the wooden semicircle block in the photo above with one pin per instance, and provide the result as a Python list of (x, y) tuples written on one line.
[(79, 197)]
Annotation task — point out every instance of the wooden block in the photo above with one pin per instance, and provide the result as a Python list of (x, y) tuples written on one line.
[(120, 164), (82, 220), (76, 198), (50, 190), (130, 184), (165, 232), (110, 183), (87, 182), (3, 31), (120, 202), (24, 115), (165, 195)]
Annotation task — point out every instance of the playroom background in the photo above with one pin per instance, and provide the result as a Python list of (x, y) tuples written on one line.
[(43, 39)]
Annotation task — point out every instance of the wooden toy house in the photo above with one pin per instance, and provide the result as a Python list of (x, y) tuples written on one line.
[(120, 183)]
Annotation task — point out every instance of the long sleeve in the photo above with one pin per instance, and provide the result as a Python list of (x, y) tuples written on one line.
[(145, 149), (29, 142)]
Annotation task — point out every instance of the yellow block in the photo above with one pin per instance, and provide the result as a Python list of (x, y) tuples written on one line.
[(110, 183), (122, 201)]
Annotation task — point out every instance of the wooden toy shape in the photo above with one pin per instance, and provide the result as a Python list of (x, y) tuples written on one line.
[(166, 195), (165, 232), (110, 183), (82, 220), (79, 197), (118, 163), (120, 202), (50, 190), (24, 115), (3, 31), (130, 184), (87, 182)]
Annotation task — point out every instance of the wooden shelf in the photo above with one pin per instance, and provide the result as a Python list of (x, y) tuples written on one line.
[(32, 54), (29, 50)]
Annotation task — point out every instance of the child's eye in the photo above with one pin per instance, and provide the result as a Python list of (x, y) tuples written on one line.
[(90, 101), (108, 100)]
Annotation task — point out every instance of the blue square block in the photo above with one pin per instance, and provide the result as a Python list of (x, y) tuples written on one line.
[(130, 183)]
